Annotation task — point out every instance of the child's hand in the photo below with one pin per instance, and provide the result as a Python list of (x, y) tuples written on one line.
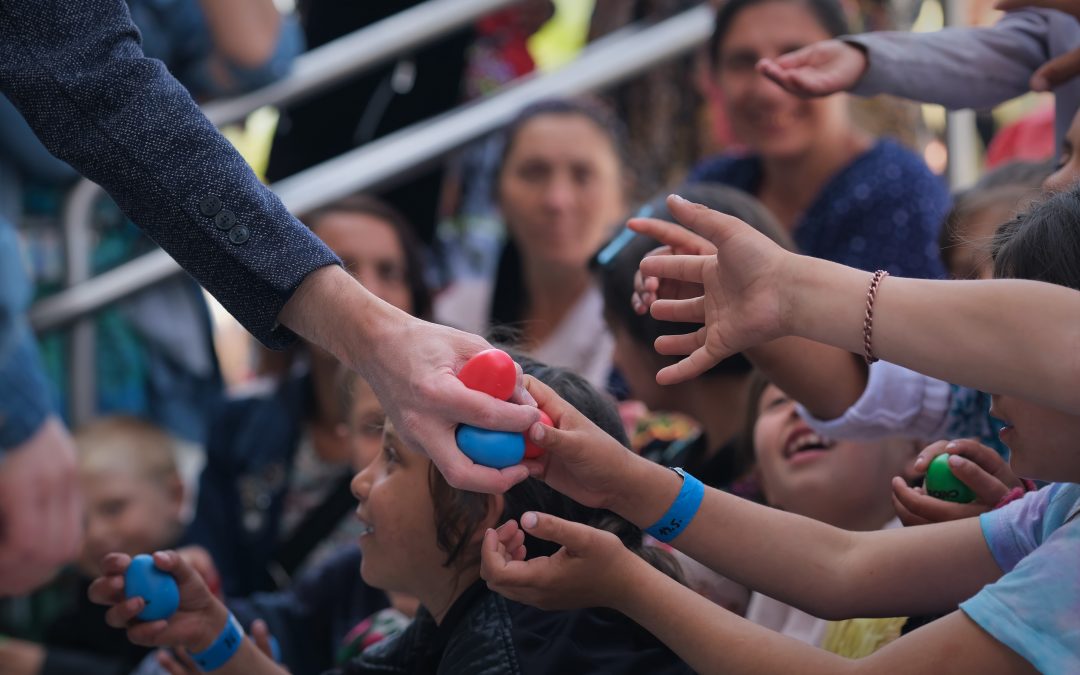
[(203, 563), (195, 625), (980, 468), (580, 460), (592, 569), (19, 657), (179, 663), (676, 240)]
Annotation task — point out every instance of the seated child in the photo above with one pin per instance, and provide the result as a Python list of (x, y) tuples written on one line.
[(422, 537), (843, 483), (133, 496)]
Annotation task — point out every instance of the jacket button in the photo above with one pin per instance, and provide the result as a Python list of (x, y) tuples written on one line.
[(239, 234), (225, 219), (210, 205)]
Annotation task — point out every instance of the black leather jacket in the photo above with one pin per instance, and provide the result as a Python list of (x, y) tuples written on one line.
[(486, 634)]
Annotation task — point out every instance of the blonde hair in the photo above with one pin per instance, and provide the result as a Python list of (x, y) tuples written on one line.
[(125, 443)]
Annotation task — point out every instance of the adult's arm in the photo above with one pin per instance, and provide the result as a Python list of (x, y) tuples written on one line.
[(77, 73), (951, 330)]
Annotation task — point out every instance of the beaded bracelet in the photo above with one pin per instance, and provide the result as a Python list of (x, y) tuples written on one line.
[(868, 320)]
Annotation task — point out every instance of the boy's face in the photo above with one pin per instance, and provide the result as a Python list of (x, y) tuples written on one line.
[(399, 544), (128, 513)]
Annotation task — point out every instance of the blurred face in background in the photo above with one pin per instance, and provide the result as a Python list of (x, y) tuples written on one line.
[(561, 189), (365, 424), (1068, 169), (766, 118), (372, 253), (128, 513)]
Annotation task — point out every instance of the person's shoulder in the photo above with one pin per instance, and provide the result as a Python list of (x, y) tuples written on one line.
[(898, 162), (483, 642)]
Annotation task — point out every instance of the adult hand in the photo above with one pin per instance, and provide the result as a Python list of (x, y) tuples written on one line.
[(197, 622), (980, 468), (41, 525), (820, 69), (742, 303), (411, 365), (580, 460), (676, 240), (590, 570), (1065, 67), (19, 657)]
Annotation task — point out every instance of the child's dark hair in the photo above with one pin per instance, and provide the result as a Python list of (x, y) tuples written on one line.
[(828, 13), (1006, 186), (1042, 244), (459, 514), (618, 261), (510, 298), (410, 244)]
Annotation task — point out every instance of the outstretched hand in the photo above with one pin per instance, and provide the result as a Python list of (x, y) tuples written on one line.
[(590, 570), (820, 69), (1059, 70), (741, 305), (676, 240), (980, 468), (196, 623)]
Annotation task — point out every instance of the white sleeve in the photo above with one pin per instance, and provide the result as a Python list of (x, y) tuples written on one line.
[(896, 402)]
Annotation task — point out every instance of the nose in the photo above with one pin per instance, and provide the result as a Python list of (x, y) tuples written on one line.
[(361, 485), (559, 194)]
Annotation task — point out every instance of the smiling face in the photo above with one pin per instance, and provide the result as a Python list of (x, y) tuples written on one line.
[(805, 473), (561, 189), (769, 120), (1042, 440)]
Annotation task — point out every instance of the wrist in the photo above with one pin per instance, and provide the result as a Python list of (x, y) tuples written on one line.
[(631, 575), (216, 618), (645, 491)]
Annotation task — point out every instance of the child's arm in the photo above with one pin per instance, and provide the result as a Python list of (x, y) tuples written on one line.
[(951, 330), (594, 569), (196, 624), (821, 569)]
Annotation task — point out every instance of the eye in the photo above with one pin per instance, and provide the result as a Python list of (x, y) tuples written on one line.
[(774, 402)]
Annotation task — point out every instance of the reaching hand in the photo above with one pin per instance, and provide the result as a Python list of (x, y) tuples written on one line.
[(1065, 67), (590, 570), (980, 468), (41, 525), (820, 69), (195, 625), (580, 460), (676, 240), (741, 306)]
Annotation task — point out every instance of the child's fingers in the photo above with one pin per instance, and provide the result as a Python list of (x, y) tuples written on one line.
[(678, 267), (562, 414), (170, 663), (680, 345), (574, 536), (149, 634), (927, 454), (987, 458), (988, 489), (906, 517), (107, 590), (672, 235), (690, 310), (934, 510), (122, 614), (260, 634)]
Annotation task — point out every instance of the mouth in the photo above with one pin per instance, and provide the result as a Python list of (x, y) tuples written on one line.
[(803, 442), (366, 528)]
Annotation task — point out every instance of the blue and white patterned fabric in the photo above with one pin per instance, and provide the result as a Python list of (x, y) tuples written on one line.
[(882, 211)]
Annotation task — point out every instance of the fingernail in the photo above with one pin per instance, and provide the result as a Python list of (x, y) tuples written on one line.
[(527, 398), (951, 445), (677, 198), (529, 520), (538, 431), (920, 460), (956, 460)]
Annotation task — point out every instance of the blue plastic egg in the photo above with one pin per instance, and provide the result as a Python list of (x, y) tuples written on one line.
[(497, 449), (157, 588)]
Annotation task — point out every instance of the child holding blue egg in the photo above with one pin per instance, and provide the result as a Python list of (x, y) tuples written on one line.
[(421, 536), (1007, 578)]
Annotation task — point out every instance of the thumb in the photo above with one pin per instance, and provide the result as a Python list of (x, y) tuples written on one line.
[(173, 563), (574, 536), (1056, 71)]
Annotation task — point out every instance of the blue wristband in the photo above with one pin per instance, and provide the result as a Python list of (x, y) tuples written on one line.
[(682, 510), (223, 648)]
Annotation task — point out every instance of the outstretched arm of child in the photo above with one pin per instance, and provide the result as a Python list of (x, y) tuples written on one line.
[(754, 292), (196, 624), (593, 568), (980, 468), (829, 572), (824, 379)]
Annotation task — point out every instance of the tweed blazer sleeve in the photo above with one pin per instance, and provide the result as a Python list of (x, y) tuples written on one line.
[(77, 73)]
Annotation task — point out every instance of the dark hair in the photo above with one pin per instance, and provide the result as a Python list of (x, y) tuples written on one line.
[(1042, 244), (458, 513), (413, 250), (828, 13), (615, 267), (1006, 186), (511, 298)]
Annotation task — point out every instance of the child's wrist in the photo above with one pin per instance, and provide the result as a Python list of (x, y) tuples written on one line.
[(213, 623)]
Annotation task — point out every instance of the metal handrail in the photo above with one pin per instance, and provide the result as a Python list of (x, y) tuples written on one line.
[(605, 63)]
